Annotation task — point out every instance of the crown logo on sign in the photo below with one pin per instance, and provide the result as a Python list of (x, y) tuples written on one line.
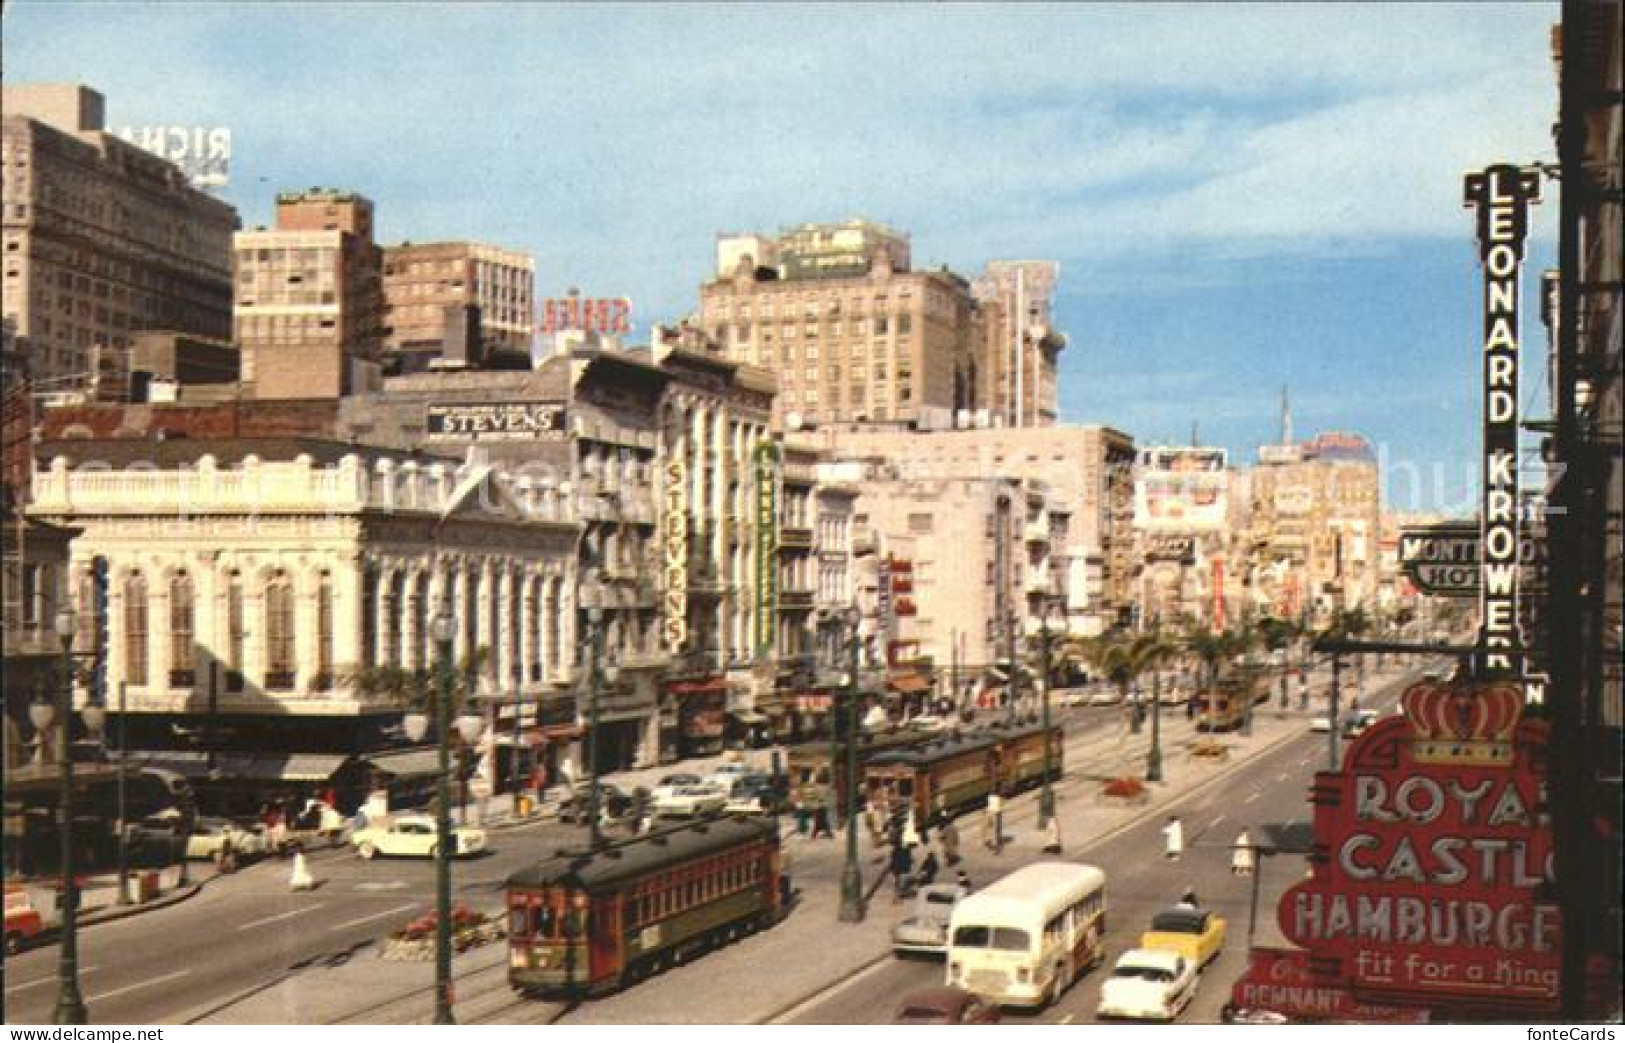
[(1464, 723)]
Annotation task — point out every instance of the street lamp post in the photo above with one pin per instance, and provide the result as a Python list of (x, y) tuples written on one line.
[(123, 826), (443, 631), (1046, 796), (852, 904), (1331, 735), (70, 1006), (513, 754), (1153, 757), (597, 672)]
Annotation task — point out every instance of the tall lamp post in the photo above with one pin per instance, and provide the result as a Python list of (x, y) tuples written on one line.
[(70, 1006), (1153, 757), (1046, 796), (599, 673), (852, 904), (443, 629)]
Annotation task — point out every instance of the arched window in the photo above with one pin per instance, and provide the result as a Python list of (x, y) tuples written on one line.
[(279, 651), (135, 629), (234, 631), (323, 679), (389, 628), (182, 673), (369, 618)]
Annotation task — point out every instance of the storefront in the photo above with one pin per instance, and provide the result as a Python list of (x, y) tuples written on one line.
[(701, 715)]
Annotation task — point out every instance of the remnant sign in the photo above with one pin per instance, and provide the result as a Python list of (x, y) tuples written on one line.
[(495, 422)]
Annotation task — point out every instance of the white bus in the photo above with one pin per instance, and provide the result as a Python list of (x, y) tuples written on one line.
[(1024, 939)]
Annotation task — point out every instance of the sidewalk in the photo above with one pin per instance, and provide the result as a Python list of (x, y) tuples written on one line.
[(98, 894), (810, 950)]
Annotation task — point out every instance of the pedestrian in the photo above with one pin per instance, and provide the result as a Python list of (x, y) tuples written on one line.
[(226, 860), (1303, 692), (803, 819), (820, 824), (1189, 899), (902, 862), (962, 878), (948, 837), (1173, 839), (1241, 861), (911, 835), (928, 869), (1052, 836), (994, 838)]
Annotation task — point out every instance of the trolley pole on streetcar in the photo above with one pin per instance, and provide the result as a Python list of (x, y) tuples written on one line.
[(852, 905)]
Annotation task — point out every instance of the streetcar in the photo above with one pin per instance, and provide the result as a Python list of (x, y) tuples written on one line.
[(587, 923), (953, 775), (817, 770)]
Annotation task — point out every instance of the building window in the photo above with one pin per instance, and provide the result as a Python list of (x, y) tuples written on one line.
[(279, 669), (323, 679), (135, 630), (369, 619), (234, 632), (182, 611)]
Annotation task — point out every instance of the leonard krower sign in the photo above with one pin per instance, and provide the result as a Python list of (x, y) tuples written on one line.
[(495, 422), (1434, 889)]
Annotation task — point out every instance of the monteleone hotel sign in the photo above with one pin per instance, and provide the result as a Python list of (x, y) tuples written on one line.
[(1502, 195)]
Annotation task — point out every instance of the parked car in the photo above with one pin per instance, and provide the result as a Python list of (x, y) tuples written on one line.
[(23, 922), (1106, 696), (209, 836), (1195, 934), (727, 774), (751, 796), (668, 783), (1174, 696), (1358, 721), (1148, 985), (1321, 723), (1069, 697), (945, 1005), (930, 722), (925, 930), (694, 801), (414, 836), (612, 801)]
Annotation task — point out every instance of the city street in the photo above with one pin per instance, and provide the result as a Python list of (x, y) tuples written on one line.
[(244, 933), (1140, 883)]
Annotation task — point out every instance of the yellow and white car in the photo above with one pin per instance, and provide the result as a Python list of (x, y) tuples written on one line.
[(414, 836)]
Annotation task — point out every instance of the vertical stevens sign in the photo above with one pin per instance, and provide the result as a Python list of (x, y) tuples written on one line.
[(767, 546), (675, 564), (1502, 195)]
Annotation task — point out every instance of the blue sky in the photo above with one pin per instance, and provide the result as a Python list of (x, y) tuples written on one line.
[(1240, 196)]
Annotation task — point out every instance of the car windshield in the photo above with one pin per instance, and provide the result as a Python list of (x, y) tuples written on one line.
[(1006, 938), (1144, 973)]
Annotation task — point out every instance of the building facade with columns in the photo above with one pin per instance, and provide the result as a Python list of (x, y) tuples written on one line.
[(255, 585)]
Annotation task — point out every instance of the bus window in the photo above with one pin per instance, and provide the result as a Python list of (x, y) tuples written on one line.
[(1008, 939)]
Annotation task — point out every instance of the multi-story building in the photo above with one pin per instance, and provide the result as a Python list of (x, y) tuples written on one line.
[(720, 622), (309, 304), (1014, 376), (1087, 471), (1317, 526), (101, 239), (1182, 519), (978, 551), (424, 282), (853, 335), (255, 585), (584, 426)]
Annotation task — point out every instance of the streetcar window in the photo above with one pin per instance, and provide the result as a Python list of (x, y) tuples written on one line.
[(519, 921), (546, 921), (575, 923)]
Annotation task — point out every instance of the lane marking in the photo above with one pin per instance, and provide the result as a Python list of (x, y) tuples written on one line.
[(1068, 1019), (385, 885), (290, 914), (1250, 799), (1281, 777), (43, 981), (1215, 823), (358, 921), (139, 985)]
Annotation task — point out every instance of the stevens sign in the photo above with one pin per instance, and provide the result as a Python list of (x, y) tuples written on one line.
[(495, 422), (1431, 886)]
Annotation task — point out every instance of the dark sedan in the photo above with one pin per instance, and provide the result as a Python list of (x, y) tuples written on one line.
[(945, 1005)]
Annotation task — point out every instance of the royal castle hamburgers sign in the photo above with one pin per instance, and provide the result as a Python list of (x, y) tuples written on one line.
[(1430, 883)]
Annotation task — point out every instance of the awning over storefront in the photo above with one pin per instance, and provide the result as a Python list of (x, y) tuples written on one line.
[(287, 767), (706, 687), (909, 684), (747, 716), (407, 764)]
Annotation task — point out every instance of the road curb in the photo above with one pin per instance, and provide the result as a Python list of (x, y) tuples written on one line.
[(124, 912)]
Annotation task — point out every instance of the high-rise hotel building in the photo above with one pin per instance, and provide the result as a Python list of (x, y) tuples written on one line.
[(101, 239), (852, 333)]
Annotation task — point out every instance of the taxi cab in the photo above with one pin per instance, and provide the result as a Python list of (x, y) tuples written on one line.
[(23, 921)]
